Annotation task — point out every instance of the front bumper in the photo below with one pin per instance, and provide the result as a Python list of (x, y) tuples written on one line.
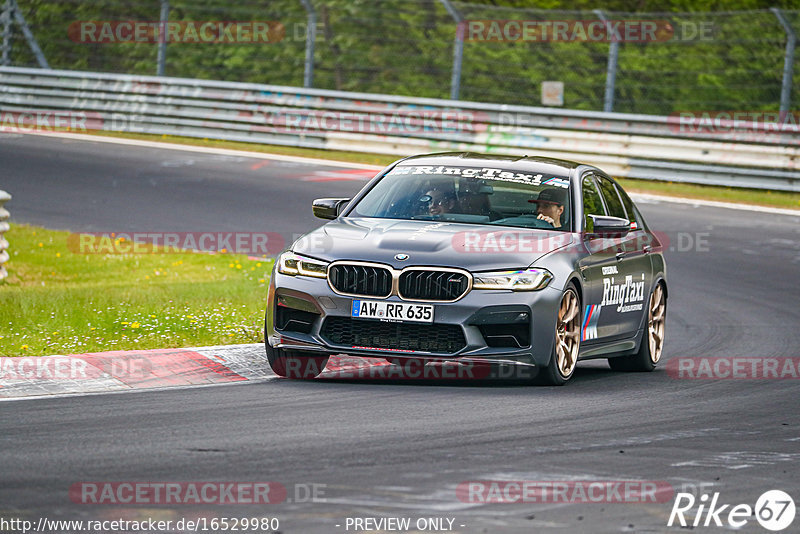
[(476, 314)]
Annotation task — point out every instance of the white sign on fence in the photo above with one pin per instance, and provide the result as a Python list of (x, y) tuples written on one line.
[(552, 93)]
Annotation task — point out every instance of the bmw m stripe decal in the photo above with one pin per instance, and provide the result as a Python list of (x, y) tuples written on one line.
[(557, 181), (590, 318)]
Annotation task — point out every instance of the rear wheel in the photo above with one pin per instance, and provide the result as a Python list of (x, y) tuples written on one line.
[(567, 341), (295, 364), (652, 343)]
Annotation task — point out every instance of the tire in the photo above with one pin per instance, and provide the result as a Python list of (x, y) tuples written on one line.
[(295, 364), (566, 341), (652, 343)]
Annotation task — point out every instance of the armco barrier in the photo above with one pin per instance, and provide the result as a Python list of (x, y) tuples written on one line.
[(762, 156), (4, 197)]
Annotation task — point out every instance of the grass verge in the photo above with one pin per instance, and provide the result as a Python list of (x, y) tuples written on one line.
[(56, 301), (759, 197)]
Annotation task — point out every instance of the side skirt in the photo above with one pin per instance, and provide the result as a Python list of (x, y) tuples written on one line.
[(609, 350)]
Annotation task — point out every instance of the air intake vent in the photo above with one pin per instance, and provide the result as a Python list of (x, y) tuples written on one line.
[(435, 338), (289, 319), (516, 336)]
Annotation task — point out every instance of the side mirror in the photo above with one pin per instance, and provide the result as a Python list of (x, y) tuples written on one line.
[(609, 226), (329, 208)]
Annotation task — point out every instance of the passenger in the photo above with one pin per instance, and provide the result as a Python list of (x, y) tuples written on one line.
[(550, 206), (440, 201)]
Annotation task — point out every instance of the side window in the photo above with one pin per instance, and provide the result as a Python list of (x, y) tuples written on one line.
[(633, 213), (592, 203), (611, 197)]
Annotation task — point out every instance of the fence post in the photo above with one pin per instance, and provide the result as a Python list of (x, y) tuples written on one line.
[(6, 17), (458, 49), (611, 72), (4, 197), (311, 38), (788, 62), (162, 37), (26, 31)]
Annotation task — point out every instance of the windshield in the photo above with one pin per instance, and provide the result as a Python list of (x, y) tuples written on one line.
[(473, 195)]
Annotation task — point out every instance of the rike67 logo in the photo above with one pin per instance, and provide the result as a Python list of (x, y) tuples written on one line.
[(774, 510)]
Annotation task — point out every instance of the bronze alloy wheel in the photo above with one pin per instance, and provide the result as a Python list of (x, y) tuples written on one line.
[(568, 333), (656, 322)]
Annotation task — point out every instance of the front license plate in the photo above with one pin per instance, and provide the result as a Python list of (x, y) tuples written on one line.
[(392, 311)]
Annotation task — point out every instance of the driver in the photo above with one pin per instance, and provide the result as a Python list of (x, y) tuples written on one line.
[(550, 205)]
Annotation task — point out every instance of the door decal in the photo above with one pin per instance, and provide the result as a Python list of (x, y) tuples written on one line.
[(590, 318)]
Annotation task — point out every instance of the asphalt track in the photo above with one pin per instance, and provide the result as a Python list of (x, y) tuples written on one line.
[(388, 448)]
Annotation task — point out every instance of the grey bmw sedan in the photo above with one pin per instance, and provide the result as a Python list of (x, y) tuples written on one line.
[(481, 260)]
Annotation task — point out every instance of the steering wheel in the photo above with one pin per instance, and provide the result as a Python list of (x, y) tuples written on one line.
[(529, 221)]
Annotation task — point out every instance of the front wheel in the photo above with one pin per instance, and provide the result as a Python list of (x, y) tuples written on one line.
[(294, 364), (652, 343), (567, 341)]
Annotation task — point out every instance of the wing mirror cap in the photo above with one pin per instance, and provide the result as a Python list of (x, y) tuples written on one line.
[(329, 208), (607, 226)]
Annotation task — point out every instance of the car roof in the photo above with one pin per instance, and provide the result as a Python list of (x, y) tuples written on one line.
[(469, 159)]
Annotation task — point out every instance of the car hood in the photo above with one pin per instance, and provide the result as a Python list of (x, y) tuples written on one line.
[(439, 243)]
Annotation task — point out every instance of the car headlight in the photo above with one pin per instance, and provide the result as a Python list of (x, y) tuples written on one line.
[(294, 264), (525, 280)]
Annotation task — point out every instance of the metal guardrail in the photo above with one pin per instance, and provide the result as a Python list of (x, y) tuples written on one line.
[(762, 156), (4, 215)]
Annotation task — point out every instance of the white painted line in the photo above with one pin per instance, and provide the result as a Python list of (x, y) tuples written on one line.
[(142, 390), (344, 164), (208, 150), (713, 204)]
